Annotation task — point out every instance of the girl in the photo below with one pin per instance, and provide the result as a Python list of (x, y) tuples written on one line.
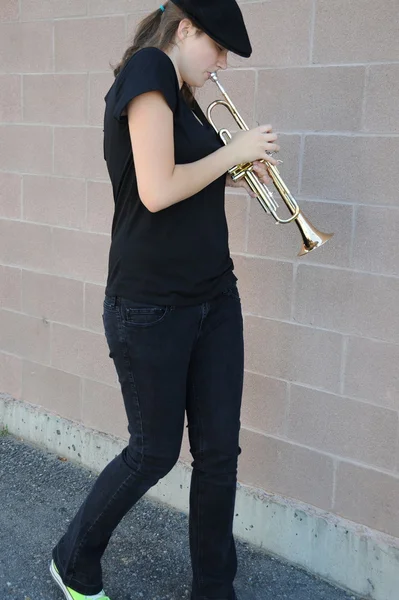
[(172, 312)]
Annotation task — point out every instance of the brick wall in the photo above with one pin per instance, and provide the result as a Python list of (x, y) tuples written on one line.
[(320, 412)]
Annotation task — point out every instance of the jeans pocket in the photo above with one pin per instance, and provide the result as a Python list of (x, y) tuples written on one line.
[(142, 315)]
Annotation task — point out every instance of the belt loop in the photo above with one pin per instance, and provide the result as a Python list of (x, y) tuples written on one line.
[(112, 300)]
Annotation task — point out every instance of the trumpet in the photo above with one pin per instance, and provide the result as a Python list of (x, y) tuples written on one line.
[(312, 238)]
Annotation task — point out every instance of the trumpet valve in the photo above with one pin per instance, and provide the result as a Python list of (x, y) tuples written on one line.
[(239, 171)]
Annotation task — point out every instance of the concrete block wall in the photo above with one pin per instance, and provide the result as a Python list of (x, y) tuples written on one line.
[(321, 401)]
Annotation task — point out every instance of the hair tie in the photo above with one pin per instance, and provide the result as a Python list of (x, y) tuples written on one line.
[(162, 8)]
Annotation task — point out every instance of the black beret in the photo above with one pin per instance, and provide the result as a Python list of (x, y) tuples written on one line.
[(222, 20)]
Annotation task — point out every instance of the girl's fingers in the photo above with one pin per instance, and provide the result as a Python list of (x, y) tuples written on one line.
[(261, 172)]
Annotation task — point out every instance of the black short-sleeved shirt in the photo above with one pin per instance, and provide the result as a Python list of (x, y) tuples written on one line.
[(179, 255)]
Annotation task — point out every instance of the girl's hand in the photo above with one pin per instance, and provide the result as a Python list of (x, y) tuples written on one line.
[(259, 169), (253, 145)]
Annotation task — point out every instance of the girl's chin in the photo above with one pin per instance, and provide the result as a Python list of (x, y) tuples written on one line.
[(200, 82), (196, 84)]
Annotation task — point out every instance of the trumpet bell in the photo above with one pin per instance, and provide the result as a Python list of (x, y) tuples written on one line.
[(312, 237)]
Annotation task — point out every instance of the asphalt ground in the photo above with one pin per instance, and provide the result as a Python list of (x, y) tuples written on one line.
[(148, 555)]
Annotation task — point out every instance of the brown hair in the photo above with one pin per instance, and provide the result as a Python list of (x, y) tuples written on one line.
[(158, 30)]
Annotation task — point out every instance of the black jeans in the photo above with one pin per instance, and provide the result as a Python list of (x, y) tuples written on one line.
[(170, 360)]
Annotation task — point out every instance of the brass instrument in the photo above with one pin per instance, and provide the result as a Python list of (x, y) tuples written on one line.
[(312, 238)]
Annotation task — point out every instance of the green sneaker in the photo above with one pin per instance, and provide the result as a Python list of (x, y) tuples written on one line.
[(69, 593)]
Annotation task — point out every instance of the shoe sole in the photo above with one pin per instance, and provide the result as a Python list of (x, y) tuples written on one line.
[(58, 581)]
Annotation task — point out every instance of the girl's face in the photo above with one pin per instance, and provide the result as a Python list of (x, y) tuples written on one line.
[(199, 55)]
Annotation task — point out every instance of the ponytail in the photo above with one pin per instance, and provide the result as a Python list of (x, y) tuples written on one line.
[(157, 30)]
